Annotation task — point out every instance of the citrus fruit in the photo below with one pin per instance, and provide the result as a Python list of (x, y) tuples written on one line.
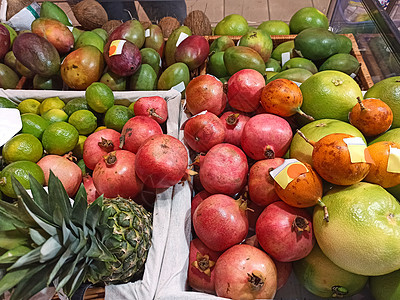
[(33, 124), (274, 27), (29, 106), (385, 287), (307, 17), (21, 171), (60, 138), (99, 97), (319, 275), (75, 104), (55, 115), (329, 95), (131, 106), (23, 146), (78, 149), (363, 232), (117, 116), (100, 128), (388, 90), (50, 103), (5, 103), (233, 24), (84, 121)]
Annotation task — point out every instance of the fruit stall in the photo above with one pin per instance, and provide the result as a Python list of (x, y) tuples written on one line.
[(198, 159)]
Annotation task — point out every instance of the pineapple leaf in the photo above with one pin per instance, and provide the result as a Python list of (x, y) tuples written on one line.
[(58, 194), (82, 241), (74, 283), (60, 263), (14, 254), (49, 228), (79, 208), (58, 216), (65, 233), (49, 250), (29, 258), (10, 239), (94, 213), (12, 278), (67, 273), (9, 216), (36, 237), (40, 195), (100, 252)]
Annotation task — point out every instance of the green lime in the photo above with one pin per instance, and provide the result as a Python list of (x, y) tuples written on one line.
[(75, 104), (21, 170), (117, 116), (99, 97), (307, 17), (78, 150), (232, 25), (274, 27), (60, 138), (84, 121), (5, 103), (55, 115), (29, 106), (50, 103), (33, 124), (23, 146)]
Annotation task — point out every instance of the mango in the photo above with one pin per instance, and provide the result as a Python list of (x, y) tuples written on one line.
[(294, 74), (154, 39), (22, 70), (13, 33), (130, 30), (53, 11), (8, 78), (344, 44), (144, 79), (239, 57), (343, 62), (216, 65), (5, 41), (101, 33), (259, 41), (193, 51), (177, 73), (283, 48), (221, 44), (151, 57), (170, 45), (77, 33), (10, 60), (123, 62), (90, 38), (47, 83), (114, 81)]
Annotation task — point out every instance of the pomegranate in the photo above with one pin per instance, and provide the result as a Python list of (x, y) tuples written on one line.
[(136, 130), (115, 175), (261, 184), (285, 232), (204, 131), (234, 124), (283, 269), (197, 199), (244, 90), (205, 92), (161, 161), (64, 168), (91, 191), (266, 136), (221, 222), (245, 272), (224, 170), (99, 144), (201, 267), (254, 211), (154, 107)]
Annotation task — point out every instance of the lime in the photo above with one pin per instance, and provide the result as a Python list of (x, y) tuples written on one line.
[(33, 124), (99, 97), (307, 17), (75, 104), (232, 25), (60, 138), (274, 27), (55, 115), (50, 103), (21, 170), (84, 121), (23, 146), (5, 103), (29, 106), (78, 150), (117, 116)]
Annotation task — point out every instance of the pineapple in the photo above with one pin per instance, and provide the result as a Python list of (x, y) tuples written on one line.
[(45, 237)]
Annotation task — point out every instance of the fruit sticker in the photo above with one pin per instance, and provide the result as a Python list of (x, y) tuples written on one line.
[(181, 37), (116, 47), (358, 150), (10, 124), (285, 57), (289, 170), (393, 164)]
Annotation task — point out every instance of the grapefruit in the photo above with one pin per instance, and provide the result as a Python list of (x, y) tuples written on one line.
[(307, 17), (363, 232), (386, 287)]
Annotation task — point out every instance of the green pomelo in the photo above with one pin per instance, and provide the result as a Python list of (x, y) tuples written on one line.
[(233, 24), (295, 74), (363, 232), (385, 287), (329, 95), (300, 62), (75, 104), (319, 275), (388, 90), (316, 130), (274, 27)]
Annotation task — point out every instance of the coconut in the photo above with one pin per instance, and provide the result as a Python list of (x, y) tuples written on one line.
[(198, 22), (168, 25), (109, 26), (14, 6), (145, 24), (90, 14)]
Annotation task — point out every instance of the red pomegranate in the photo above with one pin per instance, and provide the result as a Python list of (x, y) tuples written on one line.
[(285, 232), (244, 90), (283, 269), (197, 199), (245, 272), (99, 144), (64, 168), (154, 107), (201, 267), (91, 191), (234, 124), (205, 92), (266, 136), (261, 184), (161, 161), (224, 170), (203, 131), (115, 175), (221, 222), (252, 214), (136, 130)]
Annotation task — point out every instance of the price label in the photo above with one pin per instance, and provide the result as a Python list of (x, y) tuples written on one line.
[(147, 33), (180, 87), (285, 57), (288, 171), (116, 47), (358, 150), (393, 165), (181, 38)]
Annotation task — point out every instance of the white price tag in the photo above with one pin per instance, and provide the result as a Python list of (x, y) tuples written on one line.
[(285, 57), (10, 124), (269, 69), (181, 38), (200, 113), (180, 87), (352, 75), (363, 93), (70, 28), (298, 83), (147, 33)]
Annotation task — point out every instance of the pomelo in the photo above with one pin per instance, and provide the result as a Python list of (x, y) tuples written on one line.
[(233, 24), (388, 90), (329, 95), (363, 232), (385, 287)]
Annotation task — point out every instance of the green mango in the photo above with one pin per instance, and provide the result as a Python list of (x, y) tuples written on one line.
[(47, 83), (221, 44), (272, 65), (283, 48), (114, 81), (174, 75), (170, 45), (144, 79), (300, 62), (77, 33), (216, 65), (151, 57), (344, 44), (10, 60), (101, 33), (53, 11), (259, 41), (295, 74), (240, 57), (132, 31), (22, 70), (343, 62), (90, 38), (6, 103), (8, 78)]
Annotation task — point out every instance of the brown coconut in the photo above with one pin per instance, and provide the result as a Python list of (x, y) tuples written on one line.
[(198, 22), (145, 24), (109, 26), (90, 14), (14, 6), (168, 25)]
